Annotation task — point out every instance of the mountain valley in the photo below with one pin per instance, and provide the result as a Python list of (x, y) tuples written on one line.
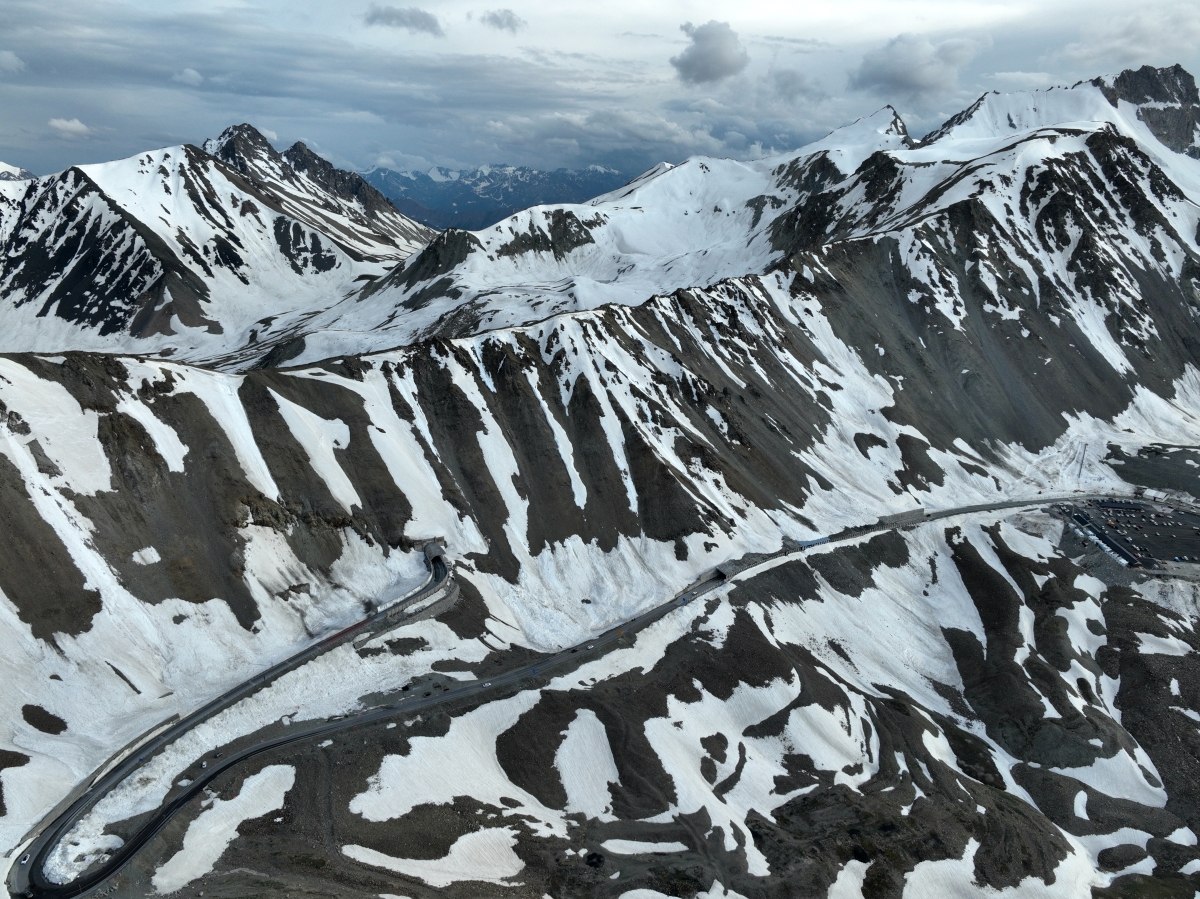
[(827, 411)]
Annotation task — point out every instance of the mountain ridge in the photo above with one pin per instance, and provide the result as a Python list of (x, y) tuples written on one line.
[(594, 406), (176, 249)]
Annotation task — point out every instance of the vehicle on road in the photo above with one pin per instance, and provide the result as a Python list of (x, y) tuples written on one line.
[(25, 859)]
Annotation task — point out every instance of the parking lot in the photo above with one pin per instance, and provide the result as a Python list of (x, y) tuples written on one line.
[(1139, 533)]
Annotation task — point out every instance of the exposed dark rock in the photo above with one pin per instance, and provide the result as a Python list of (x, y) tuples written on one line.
[(47, 722)]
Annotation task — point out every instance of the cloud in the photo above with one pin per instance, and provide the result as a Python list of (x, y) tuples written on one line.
[(1149, 35), (1022, 80), (503, 20), (800, 44), (10, 62), (618, 129), (361, 98), (268, 134), (714, 53), (914, 66), (415, 20), (69, 129), (400, 161), (791, 84), (190, 77)]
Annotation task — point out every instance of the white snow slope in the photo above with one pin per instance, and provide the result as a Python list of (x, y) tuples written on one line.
[(621, 396), (170, 649)]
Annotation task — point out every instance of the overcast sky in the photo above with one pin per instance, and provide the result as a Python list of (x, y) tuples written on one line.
[(410, 84)]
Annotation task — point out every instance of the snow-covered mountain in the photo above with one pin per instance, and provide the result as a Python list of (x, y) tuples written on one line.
[(594, 405), (706, 220), (13, 173), (338, 203), (477, 198), (181, 252), (983, 213), (1165, 101)]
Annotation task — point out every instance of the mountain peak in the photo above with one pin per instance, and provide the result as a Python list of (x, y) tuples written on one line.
[(301, 158), (885, 122), (1173, 84), (242, 146), (851, 144), (15, 173), (1163, 100)]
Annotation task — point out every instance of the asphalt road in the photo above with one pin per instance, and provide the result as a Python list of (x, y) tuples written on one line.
[(28, 880)]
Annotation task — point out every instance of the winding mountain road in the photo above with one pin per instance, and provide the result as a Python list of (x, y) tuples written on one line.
[(28, 880)]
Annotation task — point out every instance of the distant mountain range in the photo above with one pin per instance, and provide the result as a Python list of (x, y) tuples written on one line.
[(474, 199)]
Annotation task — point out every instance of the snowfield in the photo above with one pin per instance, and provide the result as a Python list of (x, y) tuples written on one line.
[(591, 407)]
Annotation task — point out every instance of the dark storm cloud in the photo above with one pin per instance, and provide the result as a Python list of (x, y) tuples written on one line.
[(358, 101), (410, 18), (913, 66), (503, 20), (714, 53)]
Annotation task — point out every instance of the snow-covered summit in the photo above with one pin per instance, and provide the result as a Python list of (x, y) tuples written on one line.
[(13, 173), (849, 145), (180, 252), (246, 149), (312, 189), (1161, 104)]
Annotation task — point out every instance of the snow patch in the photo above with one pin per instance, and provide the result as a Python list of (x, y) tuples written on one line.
[(637, 847), (147, 556), (586, 767), (484, 856), (210, 834)]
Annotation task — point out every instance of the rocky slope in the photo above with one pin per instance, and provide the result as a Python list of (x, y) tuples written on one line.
[(593, 406), (338, 203)]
